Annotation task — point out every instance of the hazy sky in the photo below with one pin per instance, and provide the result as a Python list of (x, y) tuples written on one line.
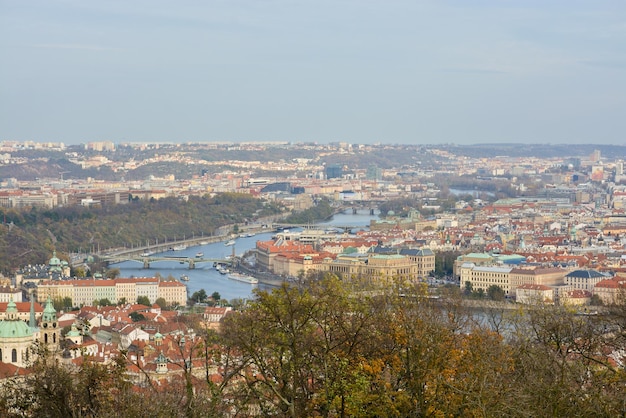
[(361, 71)]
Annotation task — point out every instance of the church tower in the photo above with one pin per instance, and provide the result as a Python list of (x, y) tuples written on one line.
[(49, 326)]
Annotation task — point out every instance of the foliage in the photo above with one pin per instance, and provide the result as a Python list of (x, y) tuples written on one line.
[(199, 296), (319, 349), (495, 292), (161, 302), (444, 262), (137, 317), (30, 236), (322, 210), (143, 300)]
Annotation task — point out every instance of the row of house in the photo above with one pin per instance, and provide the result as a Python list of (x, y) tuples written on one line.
[(357, 258), (545, 284), (83, 292)]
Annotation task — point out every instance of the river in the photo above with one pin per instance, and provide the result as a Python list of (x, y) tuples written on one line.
[(204, 276)]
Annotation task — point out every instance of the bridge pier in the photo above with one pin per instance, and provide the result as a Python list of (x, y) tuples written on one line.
[(371, 211), (354, 210), (146, 264), (192, 264)]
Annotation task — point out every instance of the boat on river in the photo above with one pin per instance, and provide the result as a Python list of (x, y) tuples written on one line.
[(229, 243), (199, 254), (243, 278), (184, 278)]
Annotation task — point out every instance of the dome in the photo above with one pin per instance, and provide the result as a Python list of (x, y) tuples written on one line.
[(14, 329), (73, 332), (54, 265), (54, 261), (49, 313)]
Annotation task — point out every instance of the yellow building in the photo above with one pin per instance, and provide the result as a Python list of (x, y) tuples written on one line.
[(372, 267)]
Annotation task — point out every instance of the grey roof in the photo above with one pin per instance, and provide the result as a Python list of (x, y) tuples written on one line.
[(585, 274)]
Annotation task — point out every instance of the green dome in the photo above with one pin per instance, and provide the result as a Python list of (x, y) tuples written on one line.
[(11, 307), (54, 261), (73, 332), (54, 264), (14, 329), (49, 313)]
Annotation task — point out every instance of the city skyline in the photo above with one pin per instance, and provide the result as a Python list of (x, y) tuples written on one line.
[(352, 71)]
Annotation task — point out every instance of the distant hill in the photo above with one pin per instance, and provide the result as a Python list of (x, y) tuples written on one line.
[(536, 150)]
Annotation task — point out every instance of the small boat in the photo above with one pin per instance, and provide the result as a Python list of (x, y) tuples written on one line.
[(243, 278), (179, 247), (229, 243), (223, 270), (204, 242), (199, 254), (250, 234), (184, 278)]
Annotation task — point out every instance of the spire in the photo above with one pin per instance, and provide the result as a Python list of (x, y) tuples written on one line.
[(49, 313), (32, 322), (11, 310)]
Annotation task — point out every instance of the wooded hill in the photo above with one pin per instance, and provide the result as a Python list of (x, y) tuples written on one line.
[(30, 236)]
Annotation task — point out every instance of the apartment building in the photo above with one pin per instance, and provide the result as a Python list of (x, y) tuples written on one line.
[(84, 292), (510, 278), (372, 267)]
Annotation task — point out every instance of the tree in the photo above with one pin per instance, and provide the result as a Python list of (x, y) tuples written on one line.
[(79, 272), (161, 302), (113, 273), (105, 302), (136, 317), (216, 296), (199, 296), (496, 293), (121, 301), (296, 350), (468, 288), (143, 300)]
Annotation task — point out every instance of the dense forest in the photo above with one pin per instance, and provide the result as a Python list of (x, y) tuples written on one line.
[(30, 236), (329, 348)]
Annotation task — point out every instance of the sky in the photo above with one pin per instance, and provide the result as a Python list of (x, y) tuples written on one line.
[(359, 71)]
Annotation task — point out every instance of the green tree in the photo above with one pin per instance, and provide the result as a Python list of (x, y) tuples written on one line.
[(66, 302), (468, 288), (143, 300), (136, 316), (161, 302), (495, 292), (216, 296), (199, 296)]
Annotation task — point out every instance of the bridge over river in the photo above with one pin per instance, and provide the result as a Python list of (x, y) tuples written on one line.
[(147, 260)]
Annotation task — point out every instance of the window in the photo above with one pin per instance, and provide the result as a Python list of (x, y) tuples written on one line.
[(14, 355)]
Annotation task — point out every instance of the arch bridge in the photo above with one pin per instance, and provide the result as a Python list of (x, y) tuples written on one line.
[(146, 261)]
